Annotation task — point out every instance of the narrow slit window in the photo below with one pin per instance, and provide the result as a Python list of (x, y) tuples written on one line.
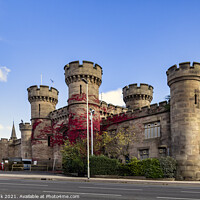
[(195, 99), (39, 109), (49, 141), (80, 89)]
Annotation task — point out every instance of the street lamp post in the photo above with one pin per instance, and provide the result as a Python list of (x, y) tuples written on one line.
[(91, 114), (88, 153)]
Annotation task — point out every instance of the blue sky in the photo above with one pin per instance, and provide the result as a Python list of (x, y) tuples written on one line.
[(134, 41)]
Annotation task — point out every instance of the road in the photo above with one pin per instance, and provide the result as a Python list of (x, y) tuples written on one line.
[(45, 189)]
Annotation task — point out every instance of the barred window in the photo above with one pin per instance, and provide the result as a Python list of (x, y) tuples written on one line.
[(152, 130), (144, 153)]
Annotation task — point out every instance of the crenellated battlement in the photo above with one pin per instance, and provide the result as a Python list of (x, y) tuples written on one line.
[(74, 71), (42, 93), (134, 89), (25, 126), (137, 96), (183, 72), (61, 113), (3, 140), (137, 113), (110, 109)]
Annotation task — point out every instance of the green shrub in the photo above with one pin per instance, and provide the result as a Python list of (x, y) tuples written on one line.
[(151, 168), (102, 165), (135, 167), (168, 165), (132, 168), (76, 165), (124, 169)]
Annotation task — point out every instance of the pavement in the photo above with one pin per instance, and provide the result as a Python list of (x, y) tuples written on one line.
[(40, 175)]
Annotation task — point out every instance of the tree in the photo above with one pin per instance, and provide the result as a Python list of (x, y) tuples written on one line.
[(113, 143), (116, 142)]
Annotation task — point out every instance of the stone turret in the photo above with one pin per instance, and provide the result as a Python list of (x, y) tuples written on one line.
[(184, 83), (74, 73), (25, 129), (137, 96), (43, 100)]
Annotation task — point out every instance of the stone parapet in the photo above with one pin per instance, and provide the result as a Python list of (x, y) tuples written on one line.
[(4, 140), (74, 71), (137, 113), (43, 93), (110, 109), (137, 96), (59, 114), (25, 126), (186, 71)]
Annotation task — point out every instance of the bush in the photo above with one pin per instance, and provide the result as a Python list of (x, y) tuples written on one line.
[(76, 165), (133, 168), (168, 165), (124, 169), (102, 165), (151, 168)]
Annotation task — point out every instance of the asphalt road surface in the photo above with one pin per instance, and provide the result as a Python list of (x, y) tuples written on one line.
[(44, 189)]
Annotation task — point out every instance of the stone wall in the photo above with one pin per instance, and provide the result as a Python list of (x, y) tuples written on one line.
[(137, 120), (10, 148)]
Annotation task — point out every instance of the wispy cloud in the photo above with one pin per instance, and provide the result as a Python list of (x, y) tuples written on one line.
[(4, 73), (114, 97), (5, 131), (2, 127)]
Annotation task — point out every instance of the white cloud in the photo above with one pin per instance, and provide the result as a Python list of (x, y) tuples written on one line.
[(114, 97), (4, 73)]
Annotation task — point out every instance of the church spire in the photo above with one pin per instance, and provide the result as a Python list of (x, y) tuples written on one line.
[(13, 133)]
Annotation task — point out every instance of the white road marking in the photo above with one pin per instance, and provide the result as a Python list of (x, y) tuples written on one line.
[(176, 198), (109, 188), (190, 188), (191, 192), (97, 194), (16, 184)]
